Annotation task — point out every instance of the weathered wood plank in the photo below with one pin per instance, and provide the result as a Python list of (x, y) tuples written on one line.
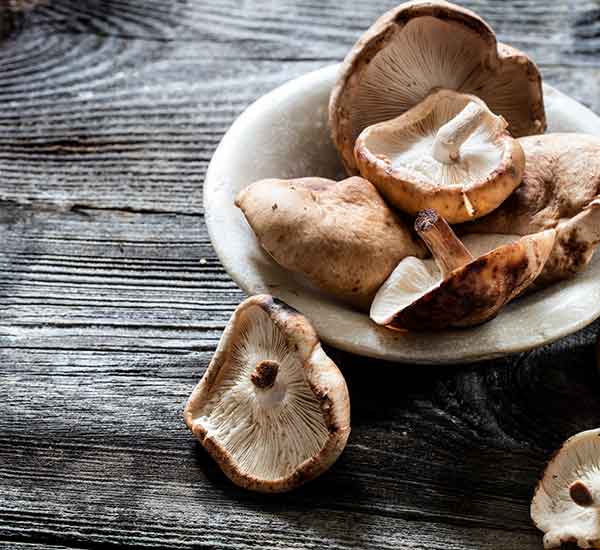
[(109, 280), (14, 545), (563, 31), (432, 452), (125, 103), (112, 300)]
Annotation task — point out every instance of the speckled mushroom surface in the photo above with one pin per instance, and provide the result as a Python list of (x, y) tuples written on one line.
[(561, 190), (341, 235), (458, 288)]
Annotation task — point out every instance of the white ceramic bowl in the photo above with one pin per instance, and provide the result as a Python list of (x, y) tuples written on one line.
[(284, 134)]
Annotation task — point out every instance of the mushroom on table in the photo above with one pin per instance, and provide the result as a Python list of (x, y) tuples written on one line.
[(272, 408), (449, 152), (566, 503)]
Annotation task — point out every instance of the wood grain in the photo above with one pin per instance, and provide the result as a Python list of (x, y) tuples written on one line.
[(112, 299)]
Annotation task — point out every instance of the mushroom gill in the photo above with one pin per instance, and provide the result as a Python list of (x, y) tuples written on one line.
[(418, 48), (566, 502), (449, 152), (272, 409), (426, 54), (268, 431), (412, 146)]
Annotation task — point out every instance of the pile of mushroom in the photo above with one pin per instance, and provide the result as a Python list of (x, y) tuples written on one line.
[(419, 48), (434, 114), (430, 109)]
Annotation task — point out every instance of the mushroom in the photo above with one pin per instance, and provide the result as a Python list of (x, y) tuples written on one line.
[(449, 152), (566, 503), (272, 408), (422, 46), (561, 190), (340, 235), (458, 288)]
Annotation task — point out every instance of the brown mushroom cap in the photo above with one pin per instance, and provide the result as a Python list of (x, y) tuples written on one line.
[(340, 235), (419, 47), (566, 503), (560, 189), (270, 428), (479, 164), (466, 290)]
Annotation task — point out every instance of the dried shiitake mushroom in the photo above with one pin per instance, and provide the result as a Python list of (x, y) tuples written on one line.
[(423, 46), (566, 503), (457, 288), (561, 190), (341, 235), (449, 152), (272, 408)]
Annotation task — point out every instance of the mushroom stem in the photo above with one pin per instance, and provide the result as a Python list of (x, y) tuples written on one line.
[(450, 137), (264, 374), (446, 248), (584, 495)]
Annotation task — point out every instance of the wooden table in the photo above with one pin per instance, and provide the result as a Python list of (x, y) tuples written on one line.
[(112, 299)]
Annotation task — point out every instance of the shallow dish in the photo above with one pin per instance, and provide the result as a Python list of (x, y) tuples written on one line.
[(284, 134)]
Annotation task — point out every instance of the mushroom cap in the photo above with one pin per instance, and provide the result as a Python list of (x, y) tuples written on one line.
[(275, 439), (553, 510), (397, 156), (560, 187), (421, 46), (415, 297), (341, 235)]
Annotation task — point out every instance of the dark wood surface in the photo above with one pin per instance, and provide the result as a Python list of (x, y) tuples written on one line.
[(112, 299)]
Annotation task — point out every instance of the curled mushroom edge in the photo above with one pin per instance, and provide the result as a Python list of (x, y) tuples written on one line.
[(449, 152), (466, 283), (272, 409), (566, 502)]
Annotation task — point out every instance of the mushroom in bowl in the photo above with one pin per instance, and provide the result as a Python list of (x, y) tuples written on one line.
[(560, 190), (272, 408), (341, 235), (423, 46), (458, 288), (449, 152)]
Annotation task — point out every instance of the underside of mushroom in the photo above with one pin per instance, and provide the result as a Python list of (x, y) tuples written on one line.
[(420, 47), (272, 408), (450, 152), (566, 504), (465, 284)]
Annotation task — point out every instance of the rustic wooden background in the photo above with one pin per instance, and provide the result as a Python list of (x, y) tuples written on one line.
[(112, 299)]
